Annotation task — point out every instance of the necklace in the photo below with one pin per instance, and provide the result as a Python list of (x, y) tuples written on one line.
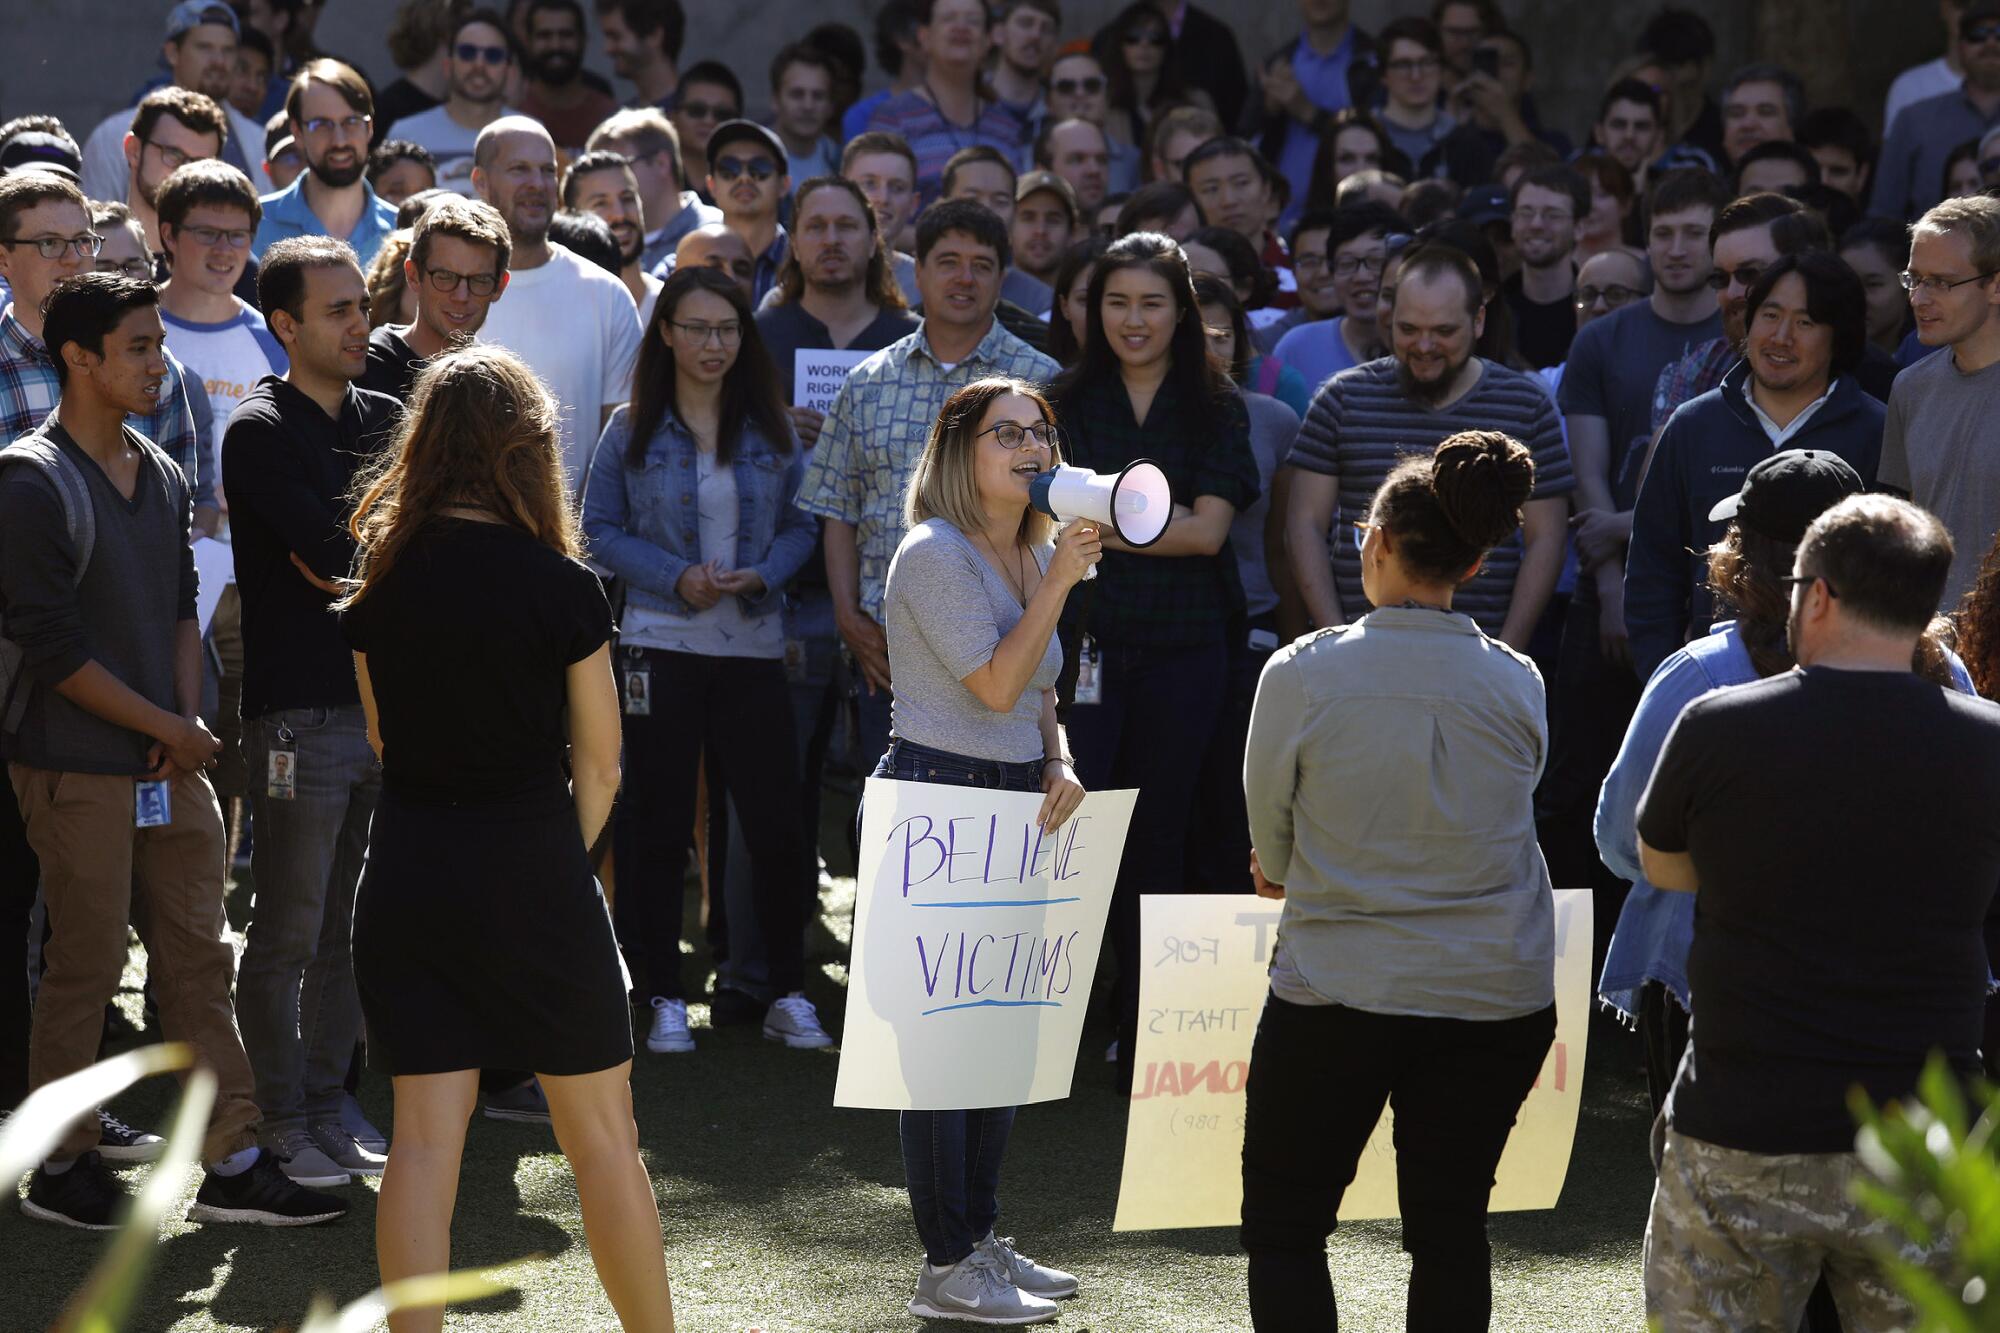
[(1018, 581)]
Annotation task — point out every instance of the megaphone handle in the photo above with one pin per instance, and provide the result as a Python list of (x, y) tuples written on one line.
[(1090, 573)]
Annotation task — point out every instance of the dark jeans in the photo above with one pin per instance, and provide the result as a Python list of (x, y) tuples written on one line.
[(1218, 843), (20, 876), (739, 710), (951, 1159), (1319, 1076), (1152, 731)]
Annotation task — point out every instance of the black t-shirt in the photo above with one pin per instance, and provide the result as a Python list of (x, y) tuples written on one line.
[(1542, 332), (392, 366), (1843, 833), (468, 639)]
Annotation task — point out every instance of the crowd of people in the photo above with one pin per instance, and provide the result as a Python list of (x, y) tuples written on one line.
[(1495, 453)]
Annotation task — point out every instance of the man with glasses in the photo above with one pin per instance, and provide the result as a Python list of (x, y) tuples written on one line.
[(170, 128), (290, 454), (748, 180), (329, 111), (1338, 257), (458, 268), (649, 142), (1544, 211), (208, 212), (1909, 176), (200, 55), (1412, 115), (478, 58), (1937, 446), (710, 95), (571, 321)]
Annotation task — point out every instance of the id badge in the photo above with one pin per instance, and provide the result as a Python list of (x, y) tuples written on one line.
[(1089, 677), (638, 690), (152, 805), (281, 766), (795, 661)]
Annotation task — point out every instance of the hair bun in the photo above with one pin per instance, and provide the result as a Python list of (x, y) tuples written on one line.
[(1481, 478)]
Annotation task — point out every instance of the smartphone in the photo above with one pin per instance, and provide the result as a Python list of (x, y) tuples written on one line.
[(1486, 61)]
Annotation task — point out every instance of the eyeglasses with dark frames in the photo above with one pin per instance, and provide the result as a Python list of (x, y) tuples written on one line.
[(476, 284), (1012, 435), (1806, 581), (52, 247)]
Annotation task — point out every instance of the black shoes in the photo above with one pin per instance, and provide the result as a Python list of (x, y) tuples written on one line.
[(265, 1196), (86, 1196)]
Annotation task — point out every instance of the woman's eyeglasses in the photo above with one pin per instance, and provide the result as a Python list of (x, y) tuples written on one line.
[(724, 335), (1013, 435)]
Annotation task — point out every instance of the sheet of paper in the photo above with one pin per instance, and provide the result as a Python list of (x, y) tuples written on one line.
[(818, 373), (215, 569)]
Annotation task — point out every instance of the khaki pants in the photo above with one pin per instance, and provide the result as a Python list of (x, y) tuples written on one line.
[(93, 859)]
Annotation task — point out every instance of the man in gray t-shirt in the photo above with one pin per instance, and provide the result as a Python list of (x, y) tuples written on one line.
[(1935, 447)]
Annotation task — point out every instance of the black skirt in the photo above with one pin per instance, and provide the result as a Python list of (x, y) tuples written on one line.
[(481, 941)]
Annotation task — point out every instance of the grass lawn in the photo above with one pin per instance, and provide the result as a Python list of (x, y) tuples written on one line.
[(783, 1213)]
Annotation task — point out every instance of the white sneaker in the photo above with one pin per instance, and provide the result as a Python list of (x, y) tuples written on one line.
[(793, 1020), (302, 1160), (1025, 1273), (978, 1292), (670, 1027)]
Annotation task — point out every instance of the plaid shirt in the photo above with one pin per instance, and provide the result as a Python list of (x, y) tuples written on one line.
[(1690, 377), (28, 393), (875, 432), (1144, 600)]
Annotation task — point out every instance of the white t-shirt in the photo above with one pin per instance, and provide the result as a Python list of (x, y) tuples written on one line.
[(653, 286), (576, 327), (448, 141), (228, 358), (723, 630), (1933, 78)]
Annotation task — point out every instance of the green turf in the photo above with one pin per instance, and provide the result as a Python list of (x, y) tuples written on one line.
[(783, 1213)]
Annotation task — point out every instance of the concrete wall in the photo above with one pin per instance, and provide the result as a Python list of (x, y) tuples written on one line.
[(81, 59)]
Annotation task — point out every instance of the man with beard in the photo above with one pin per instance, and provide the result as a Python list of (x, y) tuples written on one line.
[(1545, 208), (556, 93), (1364, 420), (603, 183), (201, 57), (458, 269), (170, 128), (642, 40), (1045, 220), (1340, 258), (572, 322), (477, 59), (1909, 175), (329, 110), (647, 140)]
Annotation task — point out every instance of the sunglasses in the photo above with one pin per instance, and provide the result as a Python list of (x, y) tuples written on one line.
[(1972, 34), (1614, 295), (760, 169), (1089, 86), (471, 51), (1149, 37), (707, 111)]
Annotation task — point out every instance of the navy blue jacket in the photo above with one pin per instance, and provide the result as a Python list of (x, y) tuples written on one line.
[(1705, 448)]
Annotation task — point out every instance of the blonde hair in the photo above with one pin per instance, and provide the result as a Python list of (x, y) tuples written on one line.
[(480, 433), (945, 483)]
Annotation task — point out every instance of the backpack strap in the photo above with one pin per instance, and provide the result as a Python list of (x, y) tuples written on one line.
[(72, 490)]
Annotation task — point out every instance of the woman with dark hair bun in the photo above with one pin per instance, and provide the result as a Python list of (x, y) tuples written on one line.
[(1390, 778)]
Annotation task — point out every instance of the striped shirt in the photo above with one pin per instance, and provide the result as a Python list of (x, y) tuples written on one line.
[(934, 139), (1361, 425), (875, 432)]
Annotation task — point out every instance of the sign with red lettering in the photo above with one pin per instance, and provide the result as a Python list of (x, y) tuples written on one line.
[(976, 935), (1206, 960)]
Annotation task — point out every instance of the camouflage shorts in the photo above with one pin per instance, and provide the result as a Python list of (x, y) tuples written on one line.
[(1737, 1241)]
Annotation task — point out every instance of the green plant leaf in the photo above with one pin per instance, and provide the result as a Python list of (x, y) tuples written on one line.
[(413, 1293), (37, 1125)]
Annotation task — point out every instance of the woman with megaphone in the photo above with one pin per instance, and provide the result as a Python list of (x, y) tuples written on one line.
[(974, 594), (1149, 640)]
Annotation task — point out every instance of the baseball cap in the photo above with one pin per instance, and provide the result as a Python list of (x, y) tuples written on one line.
[(1784, 493), (1483, 204), (737, 131), (32, 150), (193, 13), (1047, 180)]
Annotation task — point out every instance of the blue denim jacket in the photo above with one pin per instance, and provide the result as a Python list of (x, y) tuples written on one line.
[(643, 524), (1656, 926)]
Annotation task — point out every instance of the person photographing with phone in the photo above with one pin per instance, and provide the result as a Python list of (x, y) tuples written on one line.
[(974, 594)]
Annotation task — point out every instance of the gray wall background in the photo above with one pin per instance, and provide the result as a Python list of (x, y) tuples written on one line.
[(82, 59)]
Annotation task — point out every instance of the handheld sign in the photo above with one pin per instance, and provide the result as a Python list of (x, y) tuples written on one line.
[(1205, 961), (818, 373), (975, 939)]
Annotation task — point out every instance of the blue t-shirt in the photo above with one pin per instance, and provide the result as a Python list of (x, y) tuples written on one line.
[(1316, 350), (1323, 78)]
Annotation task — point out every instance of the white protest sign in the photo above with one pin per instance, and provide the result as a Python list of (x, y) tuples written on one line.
[(975, 939), (818, 373), (1206, 961), (215, 569)]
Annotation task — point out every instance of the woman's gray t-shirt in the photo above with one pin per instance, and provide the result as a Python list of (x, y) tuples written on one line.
[(945, 612)]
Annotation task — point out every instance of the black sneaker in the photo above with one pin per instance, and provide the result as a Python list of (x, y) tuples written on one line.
[(119, 1142), (85, 1196), (523, 1103), (729, 1007), (264, 1195)]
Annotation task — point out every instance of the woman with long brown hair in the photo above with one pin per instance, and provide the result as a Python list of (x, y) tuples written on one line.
[(482, 647)]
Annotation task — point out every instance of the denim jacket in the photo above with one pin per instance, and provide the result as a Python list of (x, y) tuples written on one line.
[(643, 523), (1656, 927)]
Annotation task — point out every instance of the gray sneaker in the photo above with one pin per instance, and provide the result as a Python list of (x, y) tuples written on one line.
[(356, 1124), (344, 1150), (301, 1158), (1031, 1277), (977, 1291)]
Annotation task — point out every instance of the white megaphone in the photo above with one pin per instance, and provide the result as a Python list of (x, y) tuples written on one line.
[(1136, 501)]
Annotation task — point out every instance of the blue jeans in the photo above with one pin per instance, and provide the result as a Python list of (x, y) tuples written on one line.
[(951, 1159), (296, 1002)]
